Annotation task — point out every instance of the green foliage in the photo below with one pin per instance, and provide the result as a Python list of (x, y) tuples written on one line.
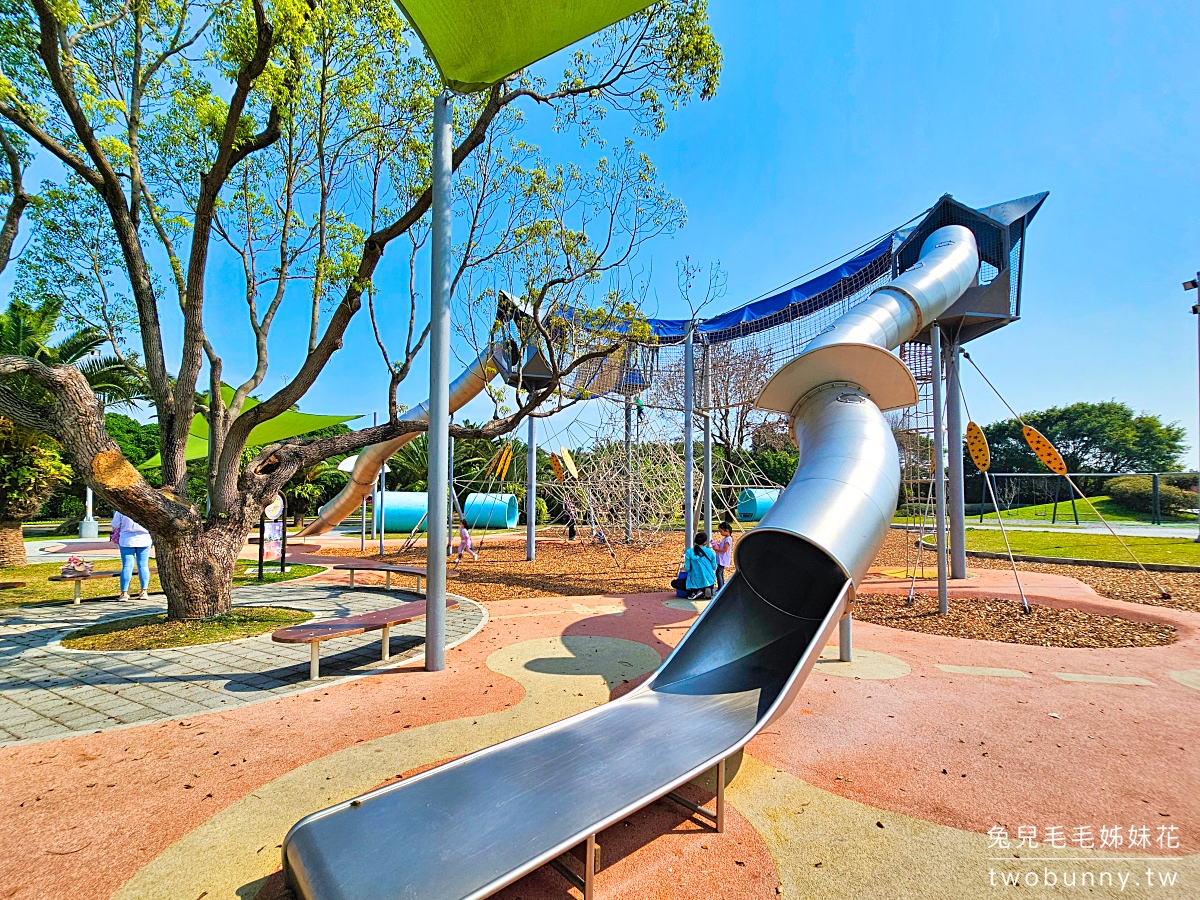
[(137, 441), (777, 465), (30, 470), (1137, 492), (1092, 437)]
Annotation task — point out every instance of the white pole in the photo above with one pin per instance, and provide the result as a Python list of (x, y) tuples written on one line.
[(531, 492), (362, 543), (706, 376), (955, 493), (689, 462), (89, 527), (382, 507), (939, 465), (439, 385)]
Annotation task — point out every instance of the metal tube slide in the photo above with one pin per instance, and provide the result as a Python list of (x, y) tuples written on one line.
[(370, 462), (472, 826)]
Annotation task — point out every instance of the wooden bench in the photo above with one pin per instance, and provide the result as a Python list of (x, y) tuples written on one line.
[(79, 579), (312, 633), (388, 570)]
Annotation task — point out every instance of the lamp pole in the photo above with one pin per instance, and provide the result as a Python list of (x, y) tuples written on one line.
[(1194, 285)]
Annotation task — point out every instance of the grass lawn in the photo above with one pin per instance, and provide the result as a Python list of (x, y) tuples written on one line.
[(38, 590), (156, 633), (1042, 513), (1174, 551)]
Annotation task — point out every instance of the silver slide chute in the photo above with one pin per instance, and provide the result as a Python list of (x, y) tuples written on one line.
[(468, 828)]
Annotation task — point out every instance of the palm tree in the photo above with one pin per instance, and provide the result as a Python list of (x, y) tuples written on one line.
[(27, 330)]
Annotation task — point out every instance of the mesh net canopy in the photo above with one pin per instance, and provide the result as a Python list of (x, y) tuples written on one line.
[(768, 332)]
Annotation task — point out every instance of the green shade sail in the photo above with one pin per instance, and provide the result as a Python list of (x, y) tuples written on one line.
[(476, 43), (287, 425)]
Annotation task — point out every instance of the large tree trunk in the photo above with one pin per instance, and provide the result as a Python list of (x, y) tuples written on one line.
[(12, 546), (196, 571)]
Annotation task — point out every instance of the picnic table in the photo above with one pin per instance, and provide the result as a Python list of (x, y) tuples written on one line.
[(313, 633)]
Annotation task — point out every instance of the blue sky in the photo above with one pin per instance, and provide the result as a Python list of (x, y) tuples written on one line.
[(836, 121)]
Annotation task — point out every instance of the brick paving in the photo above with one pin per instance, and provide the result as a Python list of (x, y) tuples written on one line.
[(49, 692)]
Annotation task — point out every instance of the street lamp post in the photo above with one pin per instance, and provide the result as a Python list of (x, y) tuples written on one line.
[(1194, 285)]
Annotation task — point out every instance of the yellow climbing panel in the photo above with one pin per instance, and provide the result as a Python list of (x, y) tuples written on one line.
[(1044, 450), (977, 446)]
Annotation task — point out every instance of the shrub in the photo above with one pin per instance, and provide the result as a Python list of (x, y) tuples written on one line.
[(1136, 492)]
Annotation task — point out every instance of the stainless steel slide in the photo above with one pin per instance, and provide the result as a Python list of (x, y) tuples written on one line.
[(467, 828), (365, 475)]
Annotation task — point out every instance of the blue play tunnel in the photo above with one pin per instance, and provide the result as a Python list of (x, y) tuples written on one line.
[(491, 510), (753, 503), (403, 511)]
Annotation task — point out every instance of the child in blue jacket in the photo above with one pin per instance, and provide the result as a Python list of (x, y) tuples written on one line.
[(700, 566)]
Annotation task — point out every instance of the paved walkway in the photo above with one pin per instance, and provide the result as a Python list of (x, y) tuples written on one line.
[(47, 691)]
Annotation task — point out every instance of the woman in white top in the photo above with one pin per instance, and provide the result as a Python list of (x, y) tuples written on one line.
[(135, 542)]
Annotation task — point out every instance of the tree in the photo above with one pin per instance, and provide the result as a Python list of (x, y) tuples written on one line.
[(30, 470), (1092, 437), (262, 152)]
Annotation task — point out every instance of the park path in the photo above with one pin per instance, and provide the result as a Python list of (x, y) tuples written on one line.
[(47, 691)]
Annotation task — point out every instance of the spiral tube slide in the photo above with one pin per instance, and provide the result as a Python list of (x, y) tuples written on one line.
[(365, 474), (468, 828)]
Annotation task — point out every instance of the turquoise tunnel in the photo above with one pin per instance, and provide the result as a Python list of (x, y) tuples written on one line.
[(753, 503), (403, 511), (491, 510)]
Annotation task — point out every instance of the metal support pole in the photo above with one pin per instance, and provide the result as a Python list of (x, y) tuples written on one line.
[(381, 506), (956, 492), (1196, 313), (374, 495), (689, 462), (706, 380), (939, 464), (628, 470), (1156, 518), (362, 544), (845, 639), (531, 492), (439, 385), (451, 499)]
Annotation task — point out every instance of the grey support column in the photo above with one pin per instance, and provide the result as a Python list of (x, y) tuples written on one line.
[(628, 470), (706, 376), (939, 464), (689, 460), (439, 385), (955, 492), (531, 491)]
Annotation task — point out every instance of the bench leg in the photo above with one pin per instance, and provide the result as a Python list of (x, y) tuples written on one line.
[(78, 592), (387, 642), (591, 862), (387, 580), (314, 661), (351, 578)]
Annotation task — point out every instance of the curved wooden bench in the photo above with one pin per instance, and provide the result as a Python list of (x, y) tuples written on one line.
[(312, 633), (389, 570)]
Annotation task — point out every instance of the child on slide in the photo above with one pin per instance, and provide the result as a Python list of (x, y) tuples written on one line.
[(464, 544)]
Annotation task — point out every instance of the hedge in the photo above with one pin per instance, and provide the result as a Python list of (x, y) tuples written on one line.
[(1136, 492)]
